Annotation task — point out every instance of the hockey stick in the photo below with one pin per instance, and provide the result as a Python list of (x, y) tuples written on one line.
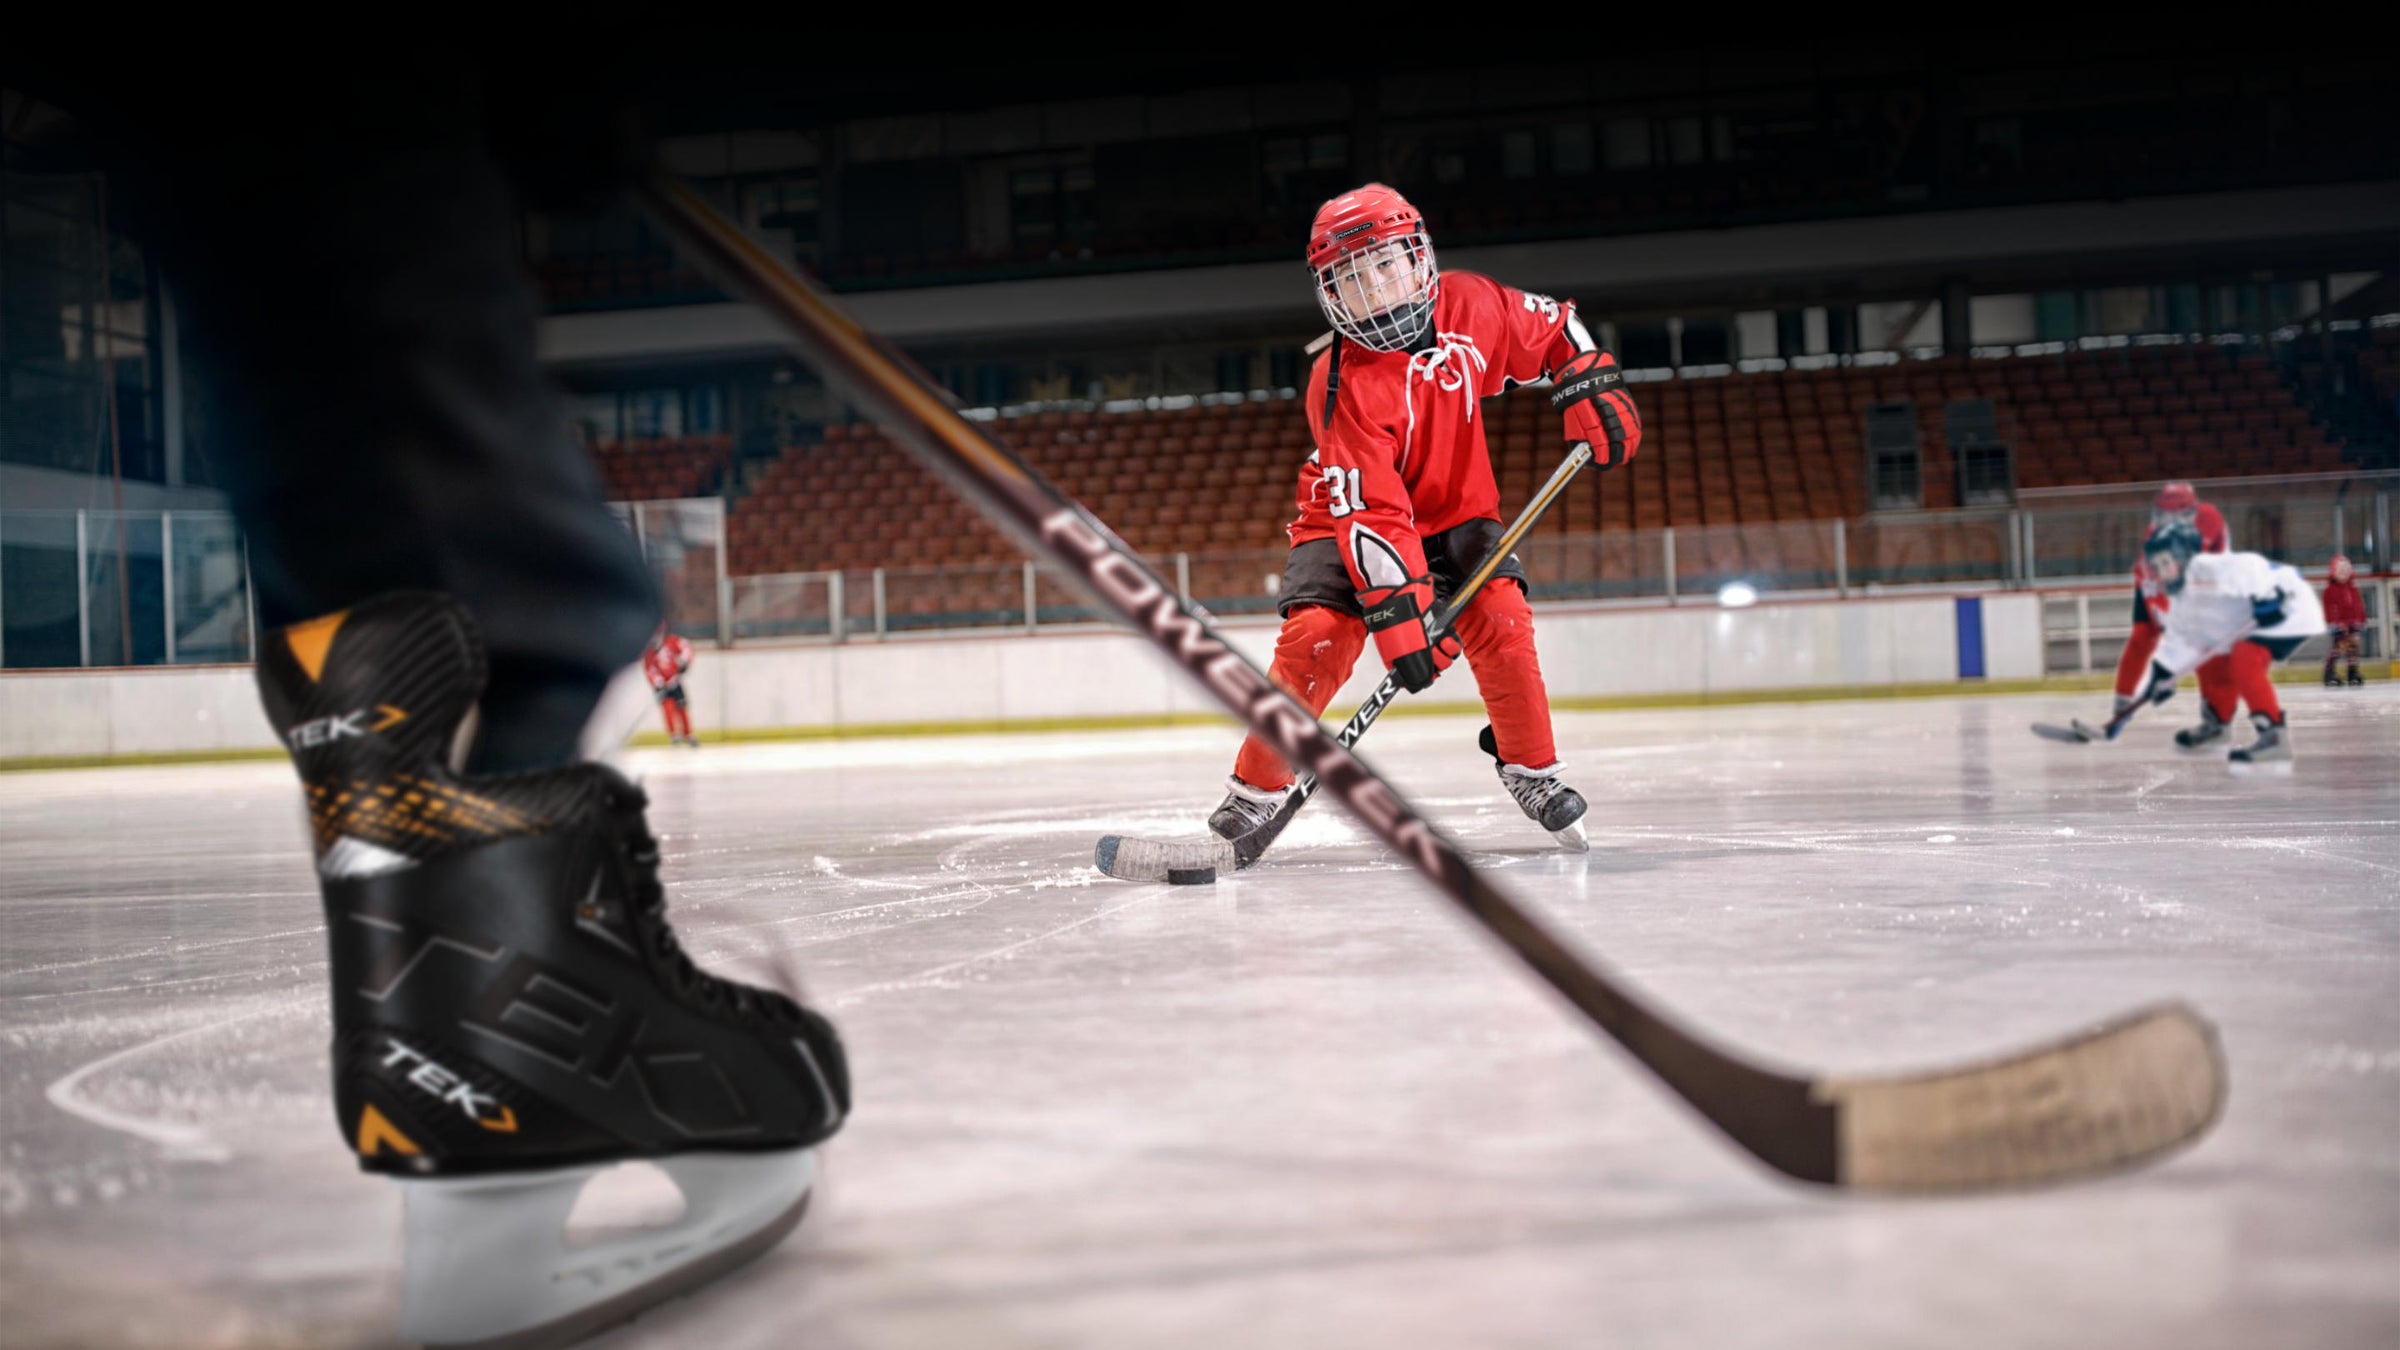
[(1160, 859), (2103, 1098), (2079, 732)]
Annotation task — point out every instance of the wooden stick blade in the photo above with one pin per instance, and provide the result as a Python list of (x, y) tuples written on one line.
[(2108, 1098), (2052, 732)]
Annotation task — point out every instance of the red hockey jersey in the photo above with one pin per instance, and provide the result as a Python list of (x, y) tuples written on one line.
[(666, 661), (1402, 455)]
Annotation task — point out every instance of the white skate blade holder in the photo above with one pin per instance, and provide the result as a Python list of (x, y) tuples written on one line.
[(487, 1264), (1573, 838), (2273, 768)]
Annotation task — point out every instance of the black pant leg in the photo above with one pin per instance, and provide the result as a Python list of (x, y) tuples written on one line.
[(358, 298)]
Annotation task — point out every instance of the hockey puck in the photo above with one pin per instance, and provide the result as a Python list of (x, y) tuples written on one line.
[(1192, 876)]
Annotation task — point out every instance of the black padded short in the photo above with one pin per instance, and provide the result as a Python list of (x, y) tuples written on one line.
[(2279, 647), (1313, 573)]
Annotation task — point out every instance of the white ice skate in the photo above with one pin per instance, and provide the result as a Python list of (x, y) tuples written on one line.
[(1549, 803), (1546, 801), (1245, 808), (2270, 754)]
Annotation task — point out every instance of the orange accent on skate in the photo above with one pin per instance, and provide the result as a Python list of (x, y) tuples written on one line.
[(310, 641), (374, 1133), (392, 717), (506, 1124)]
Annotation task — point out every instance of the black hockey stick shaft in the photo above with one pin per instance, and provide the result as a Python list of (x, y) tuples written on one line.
[(2000, 1123), (1248, 848)]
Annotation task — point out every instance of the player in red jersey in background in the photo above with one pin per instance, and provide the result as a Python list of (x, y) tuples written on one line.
[(1398, 504), (2177, 504), (666, 661), (2345, 618)]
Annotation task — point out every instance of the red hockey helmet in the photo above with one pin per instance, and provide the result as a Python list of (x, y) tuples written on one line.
[(1374, 269), (2210, 523), (2339, 568), (2174, 504)]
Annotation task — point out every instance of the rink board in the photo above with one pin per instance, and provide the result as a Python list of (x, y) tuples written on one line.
[(1099, 675)]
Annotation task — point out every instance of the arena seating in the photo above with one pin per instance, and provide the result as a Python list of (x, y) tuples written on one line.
[(2379, 363), (655, 469), (1740, 450)]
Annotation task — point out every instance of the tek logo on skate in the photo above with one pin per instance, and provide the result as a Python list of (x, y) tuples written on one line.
[(421, 1072), (324, 731)]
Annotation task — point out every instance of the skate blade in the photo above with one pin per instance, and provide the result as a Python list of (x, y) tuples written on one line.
[(2273, 768), (1573, 839), (488, 1267)]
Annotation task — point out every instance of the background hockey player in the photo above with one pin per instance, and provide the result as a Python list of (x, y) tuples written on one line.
[(2177, 504), (1398, 504), (664, 663), (2345, 618), (2254, 611), (451, 624)]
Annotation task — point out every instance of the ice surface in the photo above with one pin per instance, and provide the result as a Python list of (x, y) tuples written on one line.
[(1308, 1106)]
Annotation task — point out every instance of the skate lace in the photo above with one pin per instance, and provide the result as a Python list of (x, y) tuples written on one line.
[(1531, 793), (639, 848), (1255, 814)]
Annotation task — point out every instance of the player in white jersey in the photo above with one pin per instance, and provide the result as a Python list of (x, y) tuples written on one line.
[(2259, 609)]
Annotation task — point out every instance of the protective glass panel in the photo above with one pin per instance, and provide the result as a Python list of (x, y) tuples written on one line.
[(208, 590)]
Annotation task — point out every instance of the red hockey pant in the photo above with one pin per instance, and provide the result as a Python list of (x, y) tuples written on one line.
[(1318, 646), (678, 712), (2134, 663), (2244, 674), (2222, 683)]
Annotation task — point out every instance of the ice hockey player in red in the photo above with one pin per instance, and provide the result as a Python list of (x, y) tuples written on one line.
[(2177, 504), (666, 661), (1398, 504), (2345, 619)]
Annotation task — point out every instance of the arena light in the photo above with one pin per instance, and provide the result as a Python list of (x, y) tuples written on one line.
[(1737, 595)]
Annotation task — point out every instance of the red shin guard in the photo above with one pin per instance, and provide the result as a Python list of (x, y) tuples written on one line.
[(2218, 688), (2251, 665), (1313, 655), (1497, 631)]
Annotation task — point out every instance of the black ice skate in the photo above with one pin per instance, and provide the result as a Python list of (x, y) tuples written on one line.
[(1245, 808), (2332, 681), (512, 1013), (2355, 679), (2271, 753), (1545, 800), (2208, 733)]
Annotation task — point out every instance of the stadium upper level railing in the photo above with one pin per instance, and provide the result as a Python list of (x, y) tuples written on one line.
[(99, 588)]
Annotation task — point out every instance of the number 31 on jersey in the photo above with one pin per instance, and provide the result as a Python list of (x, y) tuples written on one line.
[(1343, 487)]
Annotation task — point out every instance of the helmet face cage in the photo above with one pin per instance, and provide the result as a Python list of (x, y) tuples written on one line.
[(1381, 296), (2169, 550)]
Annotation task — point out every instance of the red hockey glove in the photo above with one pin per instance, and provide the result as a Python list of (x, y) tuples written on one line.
[(1396, 616), (1590, 392)]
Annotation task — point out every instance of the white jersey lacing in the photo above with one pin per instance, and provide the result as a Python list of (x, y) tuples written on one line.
[(1433, 366)]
